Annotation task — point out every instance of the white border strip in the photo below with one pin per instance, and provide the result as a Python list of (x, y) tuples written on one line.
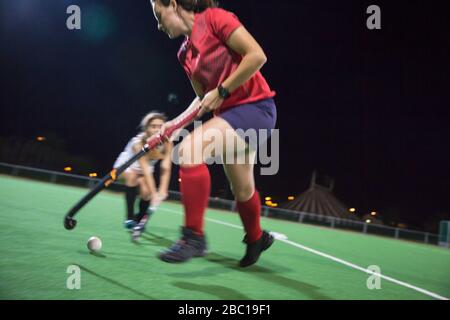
[(348, 264)]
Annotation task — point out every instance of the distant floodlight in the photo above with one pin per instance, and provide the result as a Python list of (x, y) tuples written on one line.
[(368, 221), (40, 138), (290, 198), (352, 210), (68, 169)]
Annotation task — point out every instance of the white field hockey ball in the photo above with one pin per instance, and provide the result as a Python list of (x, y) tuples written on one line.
[(94, 244)]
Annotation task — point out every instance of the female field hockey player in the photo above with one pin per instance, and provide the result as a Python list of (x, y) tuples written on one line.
[(140, 173), (222, 61)]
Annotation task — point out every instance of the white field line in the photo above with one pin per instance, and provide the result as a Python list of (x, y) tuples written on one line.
[(348, 264)]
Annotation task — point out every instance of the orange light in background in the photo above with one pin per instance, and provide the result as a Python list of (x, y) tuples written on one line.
[(179, 179), (368, 221), (290, 198), (274, 204), (68, 169), (40, 138), (93, 175), (373, 213), (352, 210), (268, 198)]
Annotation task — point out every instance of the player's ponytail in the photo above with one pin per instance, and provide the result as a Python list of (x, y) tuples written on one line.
[(196, 6)]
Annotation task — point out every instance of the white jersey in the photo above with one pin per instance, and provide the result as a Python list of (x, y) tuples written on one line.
[(128, 152)]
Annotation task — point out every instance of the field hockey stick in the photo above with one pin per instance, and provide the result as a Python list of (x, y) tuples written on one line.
[(182, 120)]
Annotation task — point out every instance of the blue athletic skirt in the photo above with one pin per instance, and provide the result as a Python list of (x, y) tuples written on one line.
[(259, 115)]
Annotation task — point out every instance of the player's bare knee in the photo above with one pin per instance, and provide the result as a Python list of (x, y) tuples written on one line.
[(131, 178), (146, 196), (244, 193)]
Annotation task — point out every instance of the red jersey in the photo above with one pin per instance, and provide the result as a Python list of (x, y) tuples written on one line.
[(206, 58)]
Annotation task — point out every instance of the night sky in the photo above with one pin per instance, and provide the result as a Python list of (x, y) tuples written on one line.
[(369, 108)]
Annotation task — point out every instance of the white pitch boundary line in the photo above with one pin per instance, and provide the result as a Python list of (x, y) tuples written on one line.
[(426, 292), (335, 259)]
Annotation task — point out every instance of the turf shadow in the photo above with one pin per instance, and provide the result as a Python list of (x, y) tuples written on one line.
[(270, 276), (121, 254), (221, 292), (113, 255), (264, 273), (98, 254), (157, 240), (114, 282), (95, 254)]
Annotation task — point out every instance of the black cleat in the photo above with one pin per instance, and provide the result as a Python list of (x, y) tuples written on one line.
[(129, 224), (189, 246), (255, 249)]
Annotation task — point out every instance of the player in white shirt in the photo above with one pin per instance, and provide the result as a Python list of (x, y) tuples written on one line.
[(140, 174)]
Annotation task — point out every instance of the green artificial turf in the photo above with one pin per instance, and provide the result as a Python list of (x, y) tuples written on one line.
[(35, 252)]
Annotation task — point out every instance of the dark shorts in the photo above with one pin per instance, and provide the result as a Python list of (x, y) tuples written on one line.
[(260, 115)]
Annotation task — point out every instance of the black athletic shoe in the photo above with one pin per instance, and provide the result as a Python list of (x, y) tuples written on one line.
[(129, 224), (189, 246), (255, 249)]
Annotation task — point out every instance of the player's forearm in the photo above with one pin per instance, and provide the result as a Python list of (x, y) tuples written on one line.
[(175, 135), (148, 177), (192, 106), (164, 180), (150, 184), (250, 64)]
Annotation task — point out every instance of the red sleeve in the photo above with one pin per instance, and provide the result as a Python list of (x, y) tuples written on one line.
[(223, 23)]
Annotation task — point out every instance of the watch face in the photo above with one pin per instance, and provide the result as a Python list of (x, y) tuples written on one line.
[(223, 92)]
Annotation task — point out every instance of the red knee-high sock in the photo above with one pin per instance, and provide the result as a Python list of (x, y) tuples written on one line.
[(195, 187), (250, 213)]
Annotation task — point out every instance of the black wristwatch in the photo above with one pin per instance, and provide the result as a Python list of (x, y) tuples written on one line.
[(223, 93)]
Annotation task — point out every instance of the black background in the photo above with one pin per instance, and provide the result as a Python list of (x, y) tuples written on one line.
[(366, 107)]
